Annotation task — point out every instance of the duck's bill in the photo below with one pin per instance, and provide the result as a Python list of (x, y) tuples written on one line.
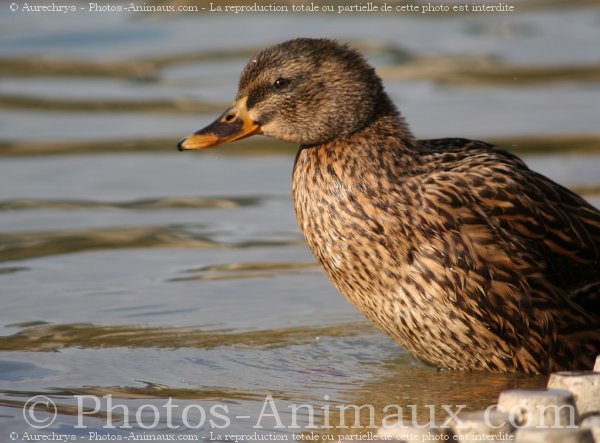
[(233, 124)]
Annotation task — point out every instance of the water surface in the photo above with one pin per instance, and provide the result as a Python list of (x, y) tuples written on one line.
[(131, 270)]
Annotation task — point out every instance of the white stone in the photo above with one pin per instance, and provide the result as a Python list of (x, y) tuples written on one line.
[(585, 386), (592, 422), (539, 408)]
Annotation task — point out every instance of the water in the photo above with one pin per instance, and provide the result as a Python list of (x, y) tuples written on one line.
[(133, 271)]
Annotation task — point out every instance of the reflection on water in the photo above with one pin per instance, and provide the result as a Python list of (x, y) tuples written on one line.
[(131, 270)]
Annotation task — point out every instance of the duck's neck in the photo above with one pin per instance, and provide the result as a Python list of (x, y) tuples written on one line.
[(389, 124), (388, 121), (384, 144)]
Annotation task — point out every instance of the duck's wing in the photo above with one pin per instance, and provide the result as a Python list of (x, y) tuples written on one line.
[(521, 252), (558, 225), (561, 225)]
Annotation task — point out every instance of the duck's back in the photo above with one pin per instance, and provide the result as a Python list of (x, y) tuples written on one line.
[(457, 250)]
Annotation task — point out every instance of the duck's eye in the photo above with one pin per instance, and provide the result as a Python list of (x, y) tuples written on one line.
[(281, 83)]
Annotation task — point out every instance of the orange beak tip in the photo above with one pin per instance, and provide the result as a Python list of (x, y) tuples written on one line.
[(234, 124), (198, 141)]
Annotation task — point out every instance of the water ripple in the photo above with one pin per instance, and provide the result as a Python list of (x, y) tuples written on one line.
[(53, 337), (145, 204), (25, 245), (245, 270)]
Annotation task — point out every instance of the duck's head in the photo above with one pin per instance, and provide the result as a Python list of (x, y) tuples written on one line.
[(307, 91)]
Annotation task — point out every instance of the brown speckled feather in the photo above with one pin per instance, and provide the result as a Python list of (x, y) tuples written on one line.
[(455, 249)]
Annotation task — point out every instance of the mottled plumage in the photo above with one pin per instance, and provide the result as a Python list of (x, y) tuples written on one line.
[(454, 248)]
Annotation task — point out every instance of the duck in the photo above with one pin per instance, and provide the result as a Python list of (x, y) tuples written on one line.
[(453, 247)]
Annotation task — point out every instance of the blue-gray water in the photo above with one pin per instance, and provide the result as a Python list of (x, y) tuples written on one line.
[(132, 270)]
